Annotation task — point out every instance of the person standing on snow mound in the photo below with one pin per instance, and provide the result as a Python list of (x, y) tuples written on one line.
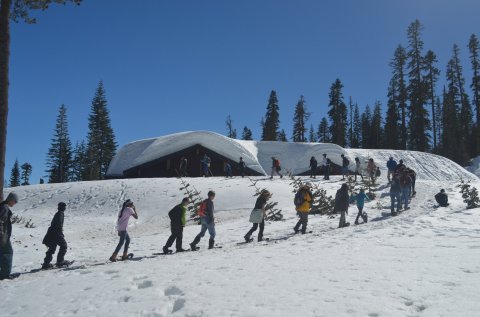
[(205, 165), (128, 209), (442, 198), (55, 237), (303, 203), (391, 165), (326, 167), (276, 167), (341, 205), (241, 167), (413, 177), (257, 216), (183, 166), (345, 163), (405, 183), (6, 250), (177, 223), (207, 220), (313, 167), (371, 169), (358, 168)]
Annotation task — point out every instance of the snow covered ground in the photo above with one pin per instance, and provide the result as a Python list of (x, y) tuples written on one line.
[(424, 262)]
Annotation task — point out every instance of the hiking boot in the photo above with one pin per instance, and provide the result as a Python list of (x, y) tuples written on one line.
[(46, 266), (113, 258), (356, 222), (193, 245), (211, 243), (181, 250), (63, 263), (247, 238), (125, 256), (165, 250)]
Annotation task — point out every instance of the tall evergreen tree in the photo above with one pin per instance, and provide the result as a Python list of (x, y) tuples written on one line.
[(366, 121), (299, 121), (350, 122), (272, 119), (439, 121), (59, 156), (311, 134), (466, 114), (231, 132), (453, 144), (473, 47), (392, 139), (376, 131), (15, 175), (337, 114), (399, 65), (357, 128), (323, 134), (247, 134), (101, 145), (80, 162), (26, 172), (431, 78), (282, 136)]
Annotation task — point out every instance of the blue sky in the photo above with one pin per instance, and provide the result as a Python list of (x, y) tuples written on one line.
[(171, 66)]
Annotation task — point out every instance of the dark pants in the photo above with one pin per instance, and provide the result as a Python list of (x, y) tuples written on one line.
[(393, 196), (360, 213), (6, 257), (254, 228), (302, 221), (60, 241), (313, 171), (177, 234), (327, 172), (124, 238), (412, 187), (242, 172)]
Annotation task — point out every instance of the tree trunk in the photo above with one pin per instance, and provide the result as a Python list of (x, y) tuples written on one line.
[(4, 61)]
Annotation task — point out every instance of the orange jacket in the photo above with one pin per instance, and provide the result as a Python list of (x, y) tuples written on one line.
[(305, 207)]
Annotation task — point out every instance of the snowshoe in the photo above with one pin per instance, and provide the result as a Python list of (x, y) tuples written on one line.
[(64, 264), (365, 217), (46, 266), (248, 239), (181, 250), (125, 257)]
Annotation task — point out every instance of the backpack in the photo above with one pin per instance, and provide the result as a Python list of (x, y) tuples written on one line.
[(299, 199), (277, 163), (328, 161), (377, 173), (202, 209)]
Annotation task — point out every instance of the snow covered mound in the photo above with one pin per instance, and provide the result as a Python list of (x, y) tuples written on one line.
[(294, 157)]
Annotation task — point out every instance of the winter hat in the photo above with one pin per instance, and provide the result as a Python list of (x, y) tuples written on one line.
[(62, 206), (12, 196), (442, 190)]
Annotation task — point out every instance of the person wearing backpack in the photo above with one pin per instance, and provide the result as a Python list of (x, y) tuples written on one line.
[(395, 194), (313, 167), (326, 167), (303, 203), (257, 216), (276, 167), (177, 223), (391, 165), (345, 163), (55, 237), (358, 168), (360, 199), (341, 205), (128, 209), (207, 220), (6, 250), (241, 166)]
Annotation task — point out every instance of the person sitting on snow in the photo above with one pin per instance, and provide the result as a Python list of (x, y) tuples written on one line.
[(442, 198)]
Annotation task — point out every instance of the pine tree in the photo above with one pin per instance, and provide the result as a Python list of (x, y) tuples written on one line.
[(15, 175), (376, 131), (366, 121), (311, 134), (439, 121), (272, 119), (101, 145), (398, 64), (323, 134), (431, 78), (357, 128), (262, 126), (299, 119), (282, 136), (337, 114), (59, 156), (231, 132), (419, 123), (26, 172), (473, 47), (392, 122), (80, 162), (350, 122), (246, 134)]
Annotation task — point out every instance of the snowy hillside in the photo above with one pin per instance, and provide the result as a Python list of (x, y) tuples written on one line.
[(424, 262)]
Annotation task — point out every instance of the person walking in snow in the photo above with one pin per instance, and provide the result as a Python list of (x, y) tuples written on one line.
[(400, 166), (128, 209), (257, 216), (6, 250), (391, 165), (405, 183), (360, 199), (241, 166), (55, 237), (208, 222), (276, 167), (313, 167), (358, 168), (413, 177), (326, 167), (442, 198), (395, 194), (341, 205), (206, 166), (228, 170), (177, 223), (345, 163), (303, 203), (371, 169), (183, 166)]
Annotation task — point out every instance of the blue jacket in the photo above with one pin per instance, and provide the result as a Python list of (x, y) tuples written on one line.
[(391, 164), (360, 198)]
